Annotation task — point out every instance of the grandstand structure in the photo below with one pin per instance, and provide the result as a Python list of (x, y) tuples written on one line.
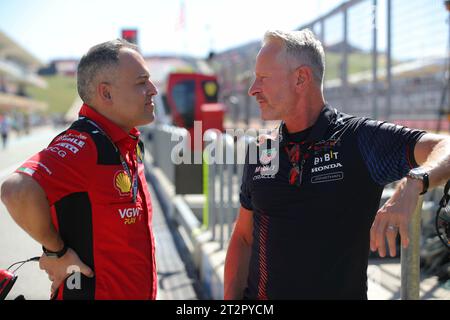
[(18, 70)]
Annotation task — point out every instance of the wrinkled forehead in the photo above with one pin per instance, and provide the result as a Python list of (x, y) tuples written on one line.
[(272, 54), (272, 50)]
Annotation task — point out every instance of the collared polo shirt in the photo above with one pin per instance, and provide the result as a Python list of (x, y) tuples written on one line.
[(311, 241)]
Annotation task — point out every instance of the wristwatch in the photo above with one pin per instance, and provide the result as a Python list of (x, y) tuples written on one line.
[(53, 254), (420, 174)]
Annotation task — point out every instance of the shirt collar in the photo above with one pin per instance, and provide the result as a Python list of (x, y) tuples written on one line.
[(115, 132), (318, 130)]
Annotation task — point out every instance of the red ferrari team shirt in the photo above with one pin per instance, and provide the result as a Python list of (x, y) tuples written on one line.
[(94, 179)]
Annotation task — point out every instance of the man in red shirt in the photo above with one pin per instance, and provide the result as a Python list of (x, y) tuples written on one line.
[(85, 197)]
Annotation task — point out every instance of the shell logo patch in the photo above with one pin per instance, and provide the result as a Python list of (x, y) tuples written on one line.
[(122, 183)]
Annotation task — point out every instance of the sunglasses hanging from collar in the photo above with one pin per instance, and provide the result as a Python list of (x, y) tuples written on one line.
[(298, 153)]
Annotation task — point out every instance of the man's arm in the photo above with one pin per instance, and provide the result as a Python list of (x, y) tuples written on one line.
[(432, 152), (238, 256), (28, 206)]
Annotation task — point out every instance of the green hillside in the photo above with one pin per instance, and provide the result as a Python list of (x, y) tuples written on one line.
[(357, 62), (60, 93)]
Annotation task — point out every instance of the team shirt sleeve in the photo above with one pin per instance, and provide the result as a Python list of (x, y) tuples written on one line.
[(64, 167), (387, 149)]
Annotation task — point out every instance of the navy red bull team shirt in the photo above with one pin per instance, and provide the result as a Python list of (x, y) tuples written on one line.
[(311, 240), (90, 193)]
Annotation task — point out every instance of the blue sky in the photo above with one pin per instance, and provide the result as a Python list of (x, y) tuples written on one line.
[(52, 29), (64, 29)]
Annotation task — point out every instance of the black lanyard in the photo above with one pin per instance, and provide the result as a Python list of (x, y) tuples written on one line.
[(134, 178)]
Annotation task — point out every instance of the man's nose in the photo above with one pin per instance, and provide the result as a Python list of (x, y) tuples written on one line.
[(152, 88), (254, 89)]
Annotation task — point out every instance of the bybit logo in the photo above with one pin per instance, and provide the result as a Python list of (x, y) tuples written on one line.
[(326, 157)]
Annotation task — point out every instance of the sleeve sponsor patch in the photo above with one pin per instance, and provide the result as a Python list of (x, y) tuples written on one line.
[(68, 142)]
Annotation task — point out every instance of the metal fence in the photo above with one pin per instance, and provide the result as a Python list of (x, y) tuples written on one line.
[(164, 139), (222, 173), (385, 59), (222, 185)]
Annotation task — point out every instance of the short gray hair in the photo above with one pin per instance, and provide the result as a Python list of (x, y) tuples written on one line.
[(304, 47), (97, 60)]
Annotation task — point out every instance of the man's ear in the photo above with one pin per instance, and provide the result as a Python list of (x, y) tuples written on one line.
[(104, 92), (304, 76)]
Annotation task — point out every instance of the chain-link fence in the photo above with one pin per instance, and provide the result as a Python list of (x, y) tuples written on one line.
[(385, 59)]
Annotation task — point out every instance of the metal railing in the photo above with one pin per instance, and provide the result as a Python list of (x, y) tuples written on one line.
[(222, 177), (222, 173), (410, 258), (164, 139)]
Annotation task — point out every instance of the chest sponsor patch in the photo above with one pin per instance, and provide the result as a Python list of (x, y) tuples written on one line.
[(265, 172), (326, 167), (122, 183), (130, 215), (328, 177), (268, 155)]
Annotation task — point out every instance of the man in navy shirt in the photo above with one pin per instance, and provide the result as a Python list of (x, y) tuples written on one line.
[(307, 221)]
